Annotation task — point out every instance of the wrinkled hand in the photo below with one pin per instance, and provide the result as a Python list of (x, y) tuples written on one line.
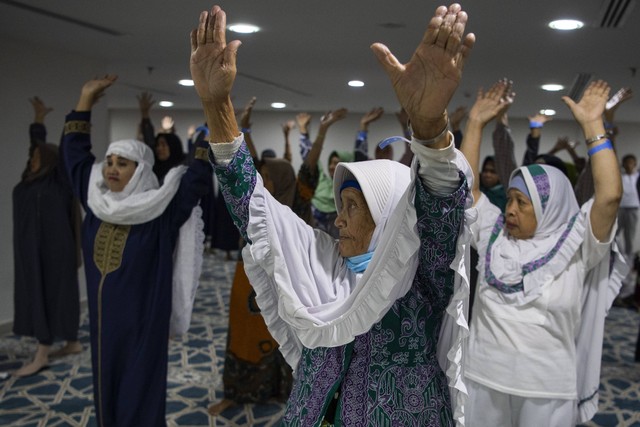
[(333, 116), (592, 104), (492, 103), (245, 116), (213, 61), (424, 86), (39, 108), (371, 116), (145, 102)]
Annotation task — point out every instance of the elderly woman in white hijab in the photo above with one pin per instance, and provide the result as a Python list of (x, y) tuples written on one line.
[(133, 235), (360, 319), (548, 273)]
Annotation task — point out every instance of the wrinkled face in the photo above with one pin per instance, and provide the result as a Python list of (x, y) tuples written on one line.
[(162, 149), (34, 162), (520, 217), (629, 165), (355, 223), (489, 176), (333, 162), (117, 172)]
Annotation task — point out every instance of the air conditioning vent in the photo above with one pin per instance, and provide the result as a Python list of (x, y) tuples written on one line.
[(614, 13)]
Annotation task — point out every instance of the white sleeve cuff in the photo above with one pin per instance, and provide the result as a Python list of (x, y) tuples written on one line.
[(223, 152)]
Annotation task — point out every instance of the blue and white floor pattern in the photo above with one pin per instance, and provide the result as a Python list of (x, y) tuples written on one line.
[(61, 395)]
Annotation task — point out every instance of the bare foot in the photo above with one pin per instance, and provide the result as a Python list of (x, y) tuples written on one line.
[(220, 407), (32, 368), (72, 347)]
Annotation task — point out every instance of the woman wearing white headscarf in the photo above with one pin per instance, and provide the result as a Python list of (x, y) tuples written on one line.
[(362, 319), (548, 273), (134, 236)]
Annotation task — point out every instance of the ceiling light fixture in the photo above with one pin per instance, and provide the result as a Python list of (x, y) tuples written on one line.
[(356, 83), (186, 82), (243, 28), (552, 87), (165, 104), (548, 112), (278, 105), (566, 24)]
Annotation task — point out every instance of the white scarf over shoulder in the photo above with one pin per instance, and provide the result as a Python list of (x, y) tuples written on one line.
[(143, 200), (307, 295)]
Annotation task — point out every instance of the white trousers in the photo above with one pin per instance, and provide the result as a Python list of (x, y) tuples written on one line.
[(490, 408)]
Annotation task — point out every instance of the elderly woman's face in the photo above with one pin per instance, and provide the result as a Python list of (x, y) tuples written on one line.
[(355, 223), (117, 172), (520, 216)]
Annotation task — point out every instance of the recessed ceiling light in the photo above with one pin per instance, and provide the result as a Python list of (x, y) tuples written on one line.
[(566, 24), (278, 105), (165, 104), (548, 112), (356, 83), (552, 87), (243, 28), (185, 82)]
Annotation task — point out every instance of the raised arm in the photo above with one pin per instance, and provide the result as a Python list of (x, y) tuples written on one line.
[(488, 105), (536, 122), (213, 68), (147, 132), (604, 165), (37, 130), (425, 85), (286, 129), (245, 125), (325, 123), (361, 149)]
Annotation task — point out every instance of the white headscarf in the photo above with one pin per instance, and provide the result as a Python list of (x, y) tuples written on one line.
[(141, 200), (552, 245), (382, 182)]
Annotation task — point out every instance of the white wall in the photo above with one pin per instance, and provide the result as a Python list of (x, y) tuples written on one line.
[(56, 77)]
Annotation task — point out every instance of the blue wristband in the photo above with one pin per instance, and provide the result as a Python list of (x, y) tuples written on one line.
[(606, 145), (535, 125)]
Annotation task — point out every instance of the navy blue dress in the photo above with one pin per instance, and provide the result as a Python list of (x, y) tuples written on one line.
[(129, 275)]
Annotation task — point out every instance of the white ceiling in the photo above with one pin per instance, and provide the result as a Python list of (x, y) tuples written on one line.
[(308, 50)]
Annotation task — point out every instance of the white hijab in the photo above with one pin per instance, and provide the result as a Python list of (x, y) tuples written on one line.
[(142, 199), (510, 260), (382, 182)]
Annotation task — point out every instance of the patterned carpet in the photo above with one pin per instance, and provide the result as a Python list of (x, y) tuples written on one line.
[(61, 395)]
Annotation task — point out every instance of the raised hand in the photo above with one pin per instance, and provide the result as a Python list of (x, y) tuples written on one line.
[(93, 90), (167, 124), (303, 120), (618, 98), (245, 116), (371, 116), (333, 116), (424, 86), (540, 118), (592, 104), (145, 102), (213, 61), (287, 126), (457, 116), (40, 110), (492, 103)]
